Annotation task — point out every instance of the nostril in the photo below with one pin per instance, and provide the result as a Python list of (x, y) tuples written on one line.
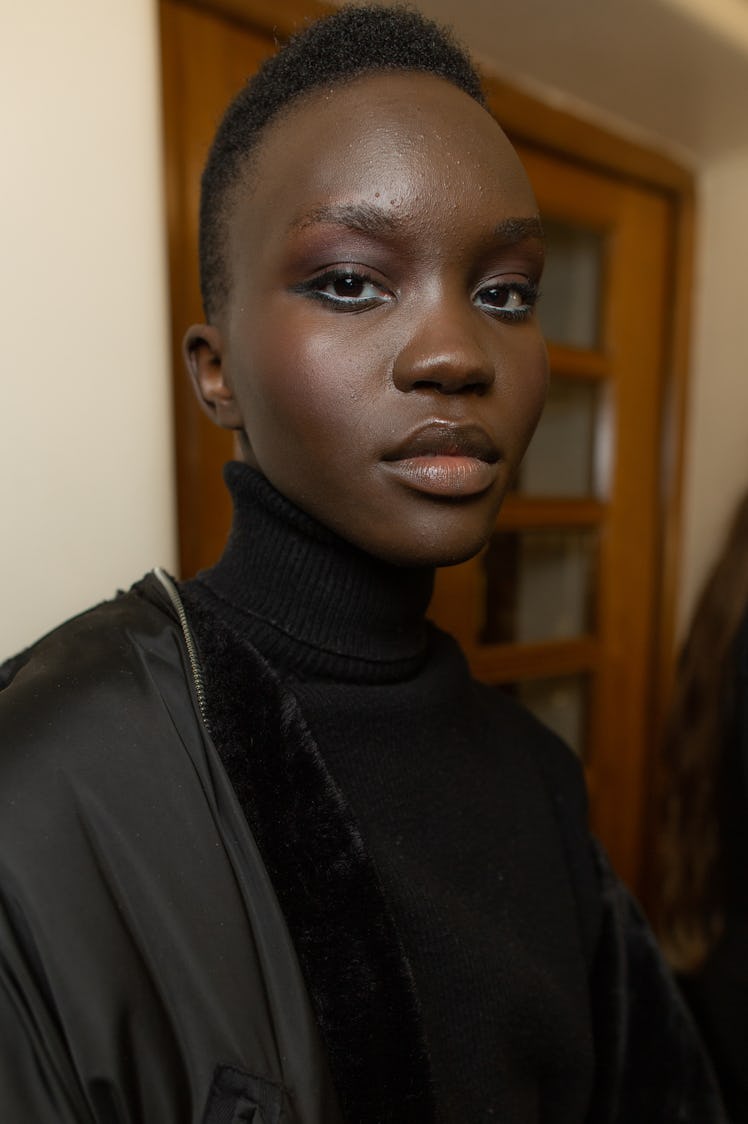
[(443, 386), (478, 388), (454, 368)]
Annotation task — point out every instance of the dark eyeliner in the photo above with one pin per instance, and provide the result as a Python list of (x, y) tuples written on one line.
[(312, 288), (528, 291)]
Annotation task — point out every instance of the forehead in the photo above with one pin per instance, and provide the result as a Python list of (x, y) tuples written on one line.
[(413, 145)]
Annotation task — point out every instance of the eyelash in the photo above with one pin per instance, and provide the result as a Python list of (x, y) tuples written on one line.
[(527, 291), (314, 288)]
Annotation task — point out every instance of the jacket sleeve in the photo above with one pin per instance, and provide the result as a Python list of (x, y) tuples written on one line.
[(651, 1066), (37, 1079)]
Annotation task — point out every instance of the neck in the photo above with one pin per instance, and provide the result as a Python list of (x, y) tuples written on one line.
[(308, 598)]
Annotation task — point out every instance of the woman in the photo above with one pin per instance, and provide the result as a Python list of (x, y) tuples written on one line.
[(269, 852), (704, 839)]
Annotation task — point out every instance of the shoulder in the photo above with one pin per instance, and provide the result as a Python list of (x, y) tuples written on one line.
[(82, 697), (101, 745), (529, 751), (72, 669), (558, 765)]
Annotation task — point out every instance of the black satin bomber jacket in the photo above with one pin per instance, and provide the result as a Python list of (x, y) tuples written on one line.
[(147, 972), (177, 966)]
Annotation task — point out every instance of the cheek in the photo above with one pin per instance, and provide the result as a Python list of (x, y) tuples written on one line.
[(529, 391), (334, 371), (302, 390)]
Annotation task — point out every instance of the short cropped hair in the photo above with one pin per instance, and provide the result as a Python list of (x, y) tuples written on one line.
[(351, 42)]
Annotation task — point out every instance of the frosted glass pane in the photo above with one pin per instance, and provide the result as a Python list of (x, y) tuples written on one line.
[(561, 457), (538, 586), (569, 306)]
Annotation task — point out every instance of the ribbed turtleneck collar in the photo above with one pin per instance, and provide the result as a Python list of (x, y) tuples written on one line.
[(308, 599)]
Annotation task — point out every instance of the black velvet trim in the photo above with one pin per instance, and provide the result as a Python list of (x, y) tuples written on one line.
[(355, 968)]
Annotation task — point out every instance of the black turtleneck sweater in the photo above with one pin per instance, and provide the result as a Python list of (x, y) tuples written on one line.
[(442, 778)]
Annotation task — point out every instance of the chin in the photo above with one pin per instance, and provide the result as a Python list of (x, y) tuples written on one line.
[(425, 534), (458, 559), (453, 541), (457, 556), (425, 552)]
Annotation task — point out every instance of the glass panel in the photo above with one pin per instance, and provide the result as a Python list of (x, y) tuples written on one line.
[(571, 286), (560, 459), (538, 586), (561, 704)]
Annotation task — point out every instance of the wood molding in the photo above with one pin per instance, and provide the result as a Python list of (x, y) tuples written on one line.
[(675, 428), (280, 19), (503, 663), (529, 119), (574, 363), (520, 512), (673, 437)]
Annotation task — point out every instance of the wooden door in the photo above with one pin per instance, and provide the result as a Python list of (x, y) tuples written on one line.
[(206, 59), (562, 605), (568, 605)]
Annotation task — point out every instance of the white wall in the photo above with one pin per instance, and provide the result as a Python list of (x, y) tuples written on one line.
[(716, 469), (86, 494)]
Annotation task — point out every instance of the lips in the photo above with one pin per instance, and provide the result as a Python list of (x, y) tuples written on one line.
[(445, 459), (449, 440)]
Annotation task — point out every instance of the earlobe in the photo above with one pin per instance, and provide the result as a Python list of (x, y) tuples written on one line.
[(203, 356)]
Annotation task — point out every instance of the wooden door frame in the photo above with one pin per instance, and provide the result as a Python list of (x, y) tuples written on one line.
[(527, 119)]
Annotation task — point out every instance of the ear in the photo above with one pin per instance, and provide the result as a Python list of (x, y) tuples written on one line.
[(203, 356)]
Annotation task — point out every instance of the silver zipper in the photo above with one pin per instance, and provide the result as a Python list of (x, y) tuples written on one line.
[(197, 674)]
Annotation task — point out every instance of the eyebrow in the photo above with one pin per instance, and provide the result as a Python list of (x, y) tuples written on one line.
[(369, 219), (512, 231), (363, 217)]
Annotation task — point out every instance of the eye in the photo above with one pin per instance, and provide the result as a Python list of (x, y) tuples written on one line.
[(345, 290), (510, 301)]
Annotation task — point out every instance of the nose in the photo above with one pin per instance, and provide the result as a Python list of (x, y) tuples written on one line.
[(445, 354)]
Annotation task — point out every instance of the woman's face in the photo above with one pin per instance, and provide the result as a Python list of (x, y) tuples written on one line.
[(379, 346)]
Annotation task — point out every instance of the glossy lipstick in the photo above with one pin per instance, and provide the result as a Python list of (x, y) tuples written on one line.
[(446, 459)]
